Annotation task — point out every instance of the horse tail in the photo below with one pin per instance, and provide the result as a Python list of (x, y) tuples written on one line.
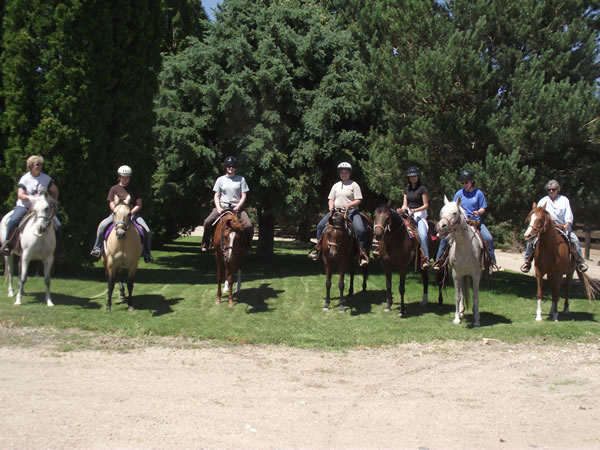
[(591, 287)]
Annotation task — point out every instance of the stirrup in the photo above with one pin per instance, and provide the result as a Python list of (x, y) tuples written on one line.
[(526, 267), (314, 254), (96, 251), (363, 261), (424, 265), (438, 264), (582, 267)]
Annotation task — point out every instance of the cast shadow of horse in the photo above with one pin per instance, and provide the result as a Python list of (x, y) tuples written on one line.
[(158, 304), (65, 300), (257, 298)]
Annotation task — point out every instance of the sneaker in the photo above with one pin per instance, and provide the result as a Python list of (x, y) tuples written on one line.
[(526, 267), (425, 265), (363, 261), (96, 251), (582, 267)]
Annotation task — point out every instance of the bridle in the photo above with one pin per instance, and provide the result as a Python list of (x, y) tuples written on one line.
[(46, 220), (223, 246), (539, 229), (453, 225), (387, 226), (123, 225)]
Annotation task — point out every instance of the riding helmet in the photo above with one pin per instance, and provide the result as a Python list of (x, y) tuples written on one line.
[(466, 175), (124, 171), (230, 161), (344, 165), (413, 172)]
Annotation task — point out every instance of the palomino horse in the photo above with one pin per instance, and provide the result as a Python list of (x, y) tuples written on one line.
[(396, 249), (553, 258), (123, 251), (339, 247), (229, 253), (38, 242), (465, 256)]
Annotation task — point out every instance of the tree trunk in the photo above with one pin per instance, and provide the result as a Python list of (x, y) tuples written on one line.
[(266, 232)]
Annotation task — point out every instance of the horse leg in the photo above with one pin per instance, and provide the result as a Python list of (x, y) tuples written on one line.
[(441, 277), (476, 276), (129, 291), (121, 288), (239, 281), (327, 285), (219, 279), (229, 283), (567, 285), (341, 287), (111, 286), (24, 266), (9, 262), (365, 274), (458, 287), (425, 281), (555, 288), (402, 290), (540, 281), (388, 288), (351, 290), (47, 268)]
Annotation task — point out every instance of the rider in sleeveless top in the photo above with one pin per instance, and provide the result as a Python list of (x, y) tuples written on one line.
[(559, 208), (473, 202), (230, 192), (344, 194), (416, 203), (32, 184), (122, 189)]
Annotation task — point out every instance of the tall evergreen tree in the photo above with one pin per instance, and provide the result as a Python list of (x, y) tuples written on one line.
[(183, 18)]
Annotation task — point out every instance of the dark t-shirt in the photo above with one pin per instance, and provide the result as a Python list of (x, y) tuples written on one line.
[(122, 192), (415, 196)]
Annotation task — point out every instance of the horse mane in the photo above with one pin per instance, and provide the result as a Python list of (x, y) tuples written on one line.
[(232, 221)]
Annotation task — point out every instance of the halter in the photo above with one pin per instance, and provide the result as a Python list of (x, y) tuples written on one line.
[(453, 226), (46, 220), (123, 225), (388, 227)]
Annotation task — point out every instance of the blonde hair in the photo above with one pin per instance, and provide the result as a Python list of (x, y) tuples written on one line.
[(34, 159)]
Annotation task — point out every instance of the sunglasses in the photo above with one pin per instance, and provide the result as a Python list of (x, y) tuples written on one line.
[(37, 164), (551, 189)]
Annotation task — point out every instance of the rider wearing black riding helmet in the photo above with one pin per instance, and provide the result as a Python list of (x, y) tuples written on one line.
[(230, 192), (473, 202), (415, 204)]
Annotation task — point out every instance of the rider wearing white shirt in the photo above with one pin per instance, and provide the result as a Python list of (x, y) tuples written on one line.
[(559, 208)]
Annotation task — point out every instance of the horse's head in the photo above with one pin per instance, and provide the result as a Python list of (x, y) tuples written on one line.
[(44, 207), (230, 231), (451, 216), (382, 219), (537, 219), (122, 216), (335, 233)]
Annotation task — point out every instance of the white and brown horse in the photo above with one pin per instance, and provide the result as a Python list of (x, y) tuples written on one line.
[(553, 258), (38, 242), (123, 249), (465, 256), (228, 241)]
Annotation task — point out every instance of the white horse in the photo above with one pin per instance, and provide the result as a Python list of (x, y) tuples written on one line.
[(38, 242), (465, 256)]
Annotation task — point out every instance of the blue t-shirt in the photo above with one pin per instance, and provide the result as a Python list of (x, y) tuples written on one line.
[(471, 201)]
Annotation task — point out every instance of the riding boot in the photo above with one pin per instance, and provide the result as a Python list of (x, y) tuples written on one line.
[(314, 253), (441, 262), (526, 267), (9, 244), (206, 241), (424, 260), (579, 260), (364, 257)]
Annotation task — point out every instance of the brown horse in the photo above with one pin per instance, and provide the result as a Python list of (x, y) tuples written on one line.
[(396, 249), (339, 247), (229, 252), (553, 258), (123, 251)]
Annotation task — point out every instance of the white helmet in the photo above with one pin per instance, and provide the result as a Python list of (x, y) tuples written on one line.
[(124, 171), (344, 165)]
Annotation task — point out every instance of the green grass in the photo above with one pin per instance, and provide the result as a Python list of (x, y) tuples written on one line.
[(281, 303)]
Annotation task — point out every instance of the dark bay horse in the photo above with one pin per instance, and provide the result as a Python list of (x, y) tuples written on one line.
[(341, 249), (229, 252), (553, 258), (397, 250), (123, 251)]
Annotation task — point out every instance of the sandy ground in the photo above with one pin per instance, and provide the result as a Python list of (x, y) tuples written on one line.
[(177, 394), (181, 395)]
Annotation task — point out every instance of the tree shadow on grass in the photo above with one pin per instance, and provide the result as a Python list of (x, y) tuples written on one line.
[(257, 298)]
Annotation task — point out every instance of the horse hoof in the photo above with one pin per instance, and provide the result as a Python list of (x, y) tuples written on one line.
[(461, 315), (230, 305), (424, 302), (325, 308), (49, 303), (456, 322), (342, 309), (130, 308), (387, 310), (400, 314), (476, 324), (18, 302), (108, 308)]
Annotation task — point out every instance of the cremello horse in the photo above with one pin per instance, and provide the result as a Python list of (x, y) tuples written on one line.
[(38, 242), (123, 251), (465, 256)]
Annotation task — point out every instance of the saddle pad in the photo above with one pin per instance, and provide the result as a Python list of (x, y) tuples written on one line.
[(137, 227)]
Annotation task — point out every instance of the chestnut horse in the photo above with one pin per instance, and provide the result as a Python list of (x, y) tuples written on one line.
[(397, 250), (122, 252), (341, 249), (229, 252), (552, 257)]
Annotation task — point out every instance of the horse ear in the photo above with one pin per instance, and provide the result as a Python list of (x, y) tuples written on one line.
[(116, 199), (458, 202), (389, 203), (534, 205), (446, 201), (128, 199)]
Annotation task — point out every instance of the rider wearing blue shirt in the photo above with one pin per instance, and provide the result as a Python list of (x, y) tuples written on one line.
[(473, 202)]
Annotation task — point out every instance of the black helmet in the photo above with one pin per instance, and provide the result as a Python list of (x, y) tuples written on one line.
[(466, 175), (413, 172), (230, 161)]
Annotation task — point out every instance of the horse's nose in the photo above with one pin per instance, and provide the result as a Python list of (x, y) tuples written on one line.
[(378, 236), (441, 226)]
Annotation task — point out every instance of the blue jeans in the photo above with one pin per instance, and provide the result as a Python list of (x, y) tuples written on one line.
[(18, 214), (423, 235), (485, 234), (357, 224)]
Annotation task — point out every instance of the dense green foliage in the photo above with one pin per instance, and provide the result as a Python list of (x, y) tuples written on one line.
[(281, 303), (293, 87)]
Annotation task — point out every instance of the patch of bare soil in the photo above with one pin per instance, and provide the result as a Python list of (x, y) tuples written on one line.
[(113, 392)]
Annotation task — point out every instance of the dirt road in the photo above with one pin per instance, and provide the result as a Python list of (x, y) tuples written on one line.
[(180, 394)]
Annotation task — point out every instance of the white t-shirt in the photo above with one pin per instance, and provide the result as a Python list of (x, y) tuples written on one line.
[(559, 209), (231, 189), (342, 194), (33, 186)]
